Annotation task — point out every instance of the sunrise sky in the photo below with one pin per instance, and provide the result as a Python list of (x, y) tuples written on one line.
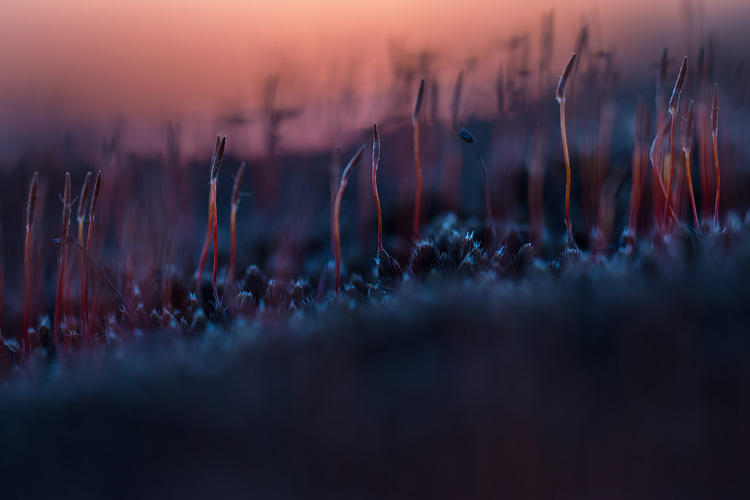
[(89, 61)]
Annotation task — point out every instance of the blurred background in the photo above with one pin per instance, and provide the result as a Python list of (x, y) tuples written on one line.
[(82, 69)]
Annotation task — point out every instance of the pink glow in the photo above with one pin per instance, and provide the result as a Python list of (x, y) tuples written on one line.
[(84, 61)]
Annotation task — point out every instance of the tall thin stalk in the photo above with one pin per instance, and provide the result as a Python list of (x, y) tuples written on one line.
[(30, 215), (715, 137), (214, 176), (85, 284), (211, 229), (62, 262), (337, 209), (654, 154), (81, 220), (209, 224), (375, 162), (233, 218), (467, 137), (687, 148), (81, 214), (417, 162), (674, 106), (560, 96)]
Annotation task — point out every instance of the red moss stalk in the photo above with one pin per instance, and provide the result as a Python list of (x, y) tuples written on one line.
[(560, 96), (62, 262), (30, 215), (337, 208), (417, 162), (214, 176), (81, 214), (85, 269), (638, 162), (687, 148), (715, 137), (233, 218), (81, 220), (654, 154), (206, 243), (674, 106), (210, 229), (375, 162)]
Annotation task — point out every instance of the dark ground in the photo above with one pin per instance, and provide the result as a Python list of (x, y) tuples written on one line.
[(608, 382)]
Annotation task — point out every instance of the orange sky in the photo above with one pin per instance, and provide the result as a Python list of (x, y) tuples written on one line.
[(153, 60)]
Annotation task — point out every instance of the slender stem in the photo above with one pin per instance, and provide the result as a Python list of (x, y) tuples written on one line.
[(487, 201), (30, 215), (337, 236), (718, 180), (375, 161), (337, 209), (654, 155), (667, 204), (690, 188), (62, 263), (637, 165), (216, 242), (85, 286), (567, 173), (72, 240), (206, 243), (233, 219), (233, 253), (715, 137), (81, 224), (27, 291), (81, 227), (211, 225)]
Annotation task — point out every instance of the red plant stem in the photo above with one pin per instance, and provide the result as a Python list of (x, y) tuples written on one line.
[(567, 173), (560, 96), (654, 154), (30, 215), (206, 243), (687, 148), (233, 252), (375, 162), (674, 107), (212, 226), (690, 188), (85, 283), (639, 160), (216, 242), (715, 137), (85, 286), (718, 181), (667, 205), (62, 263)]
